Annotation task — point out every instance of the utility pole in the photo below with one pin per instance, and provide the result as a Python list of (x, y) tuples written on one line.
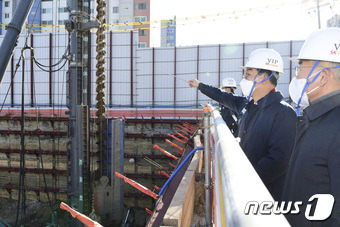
[(318, 8)]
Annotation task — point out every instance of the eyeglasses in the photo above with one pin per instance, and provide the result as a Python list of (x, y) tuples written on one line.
[(245, 76), (298, 69)]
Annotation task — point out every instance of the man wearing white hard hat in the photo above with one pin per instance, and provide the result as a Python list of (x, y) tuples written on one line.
[(315, 164), (228, 85), (268, 124)]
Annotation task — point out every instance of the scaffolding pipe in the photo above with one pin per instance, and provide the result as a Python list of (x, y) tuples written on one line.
[(14, 28), (206, 117)]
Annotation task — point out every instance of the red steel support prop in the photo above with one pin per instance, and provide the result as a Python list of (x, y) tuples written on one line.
[(191, 127), (172, 165), (138, 186), (175, 145), (81, 217), (187, 139), (164, 173), (182, 131), (175, 138), (149, 211), (189, 131), (165, 152), (155, 187)]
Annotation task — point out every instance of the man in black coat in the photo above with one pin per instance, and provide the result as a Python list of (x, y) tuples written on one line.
[(315, 164), (268, 124), (229, 116)]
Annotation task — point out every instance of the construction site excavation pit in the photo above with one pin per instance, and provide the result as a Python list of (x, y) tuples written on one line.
[(129, 144)]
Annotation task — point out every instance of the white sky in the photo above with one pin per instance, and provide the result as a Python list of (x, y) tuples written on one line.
[(237, 21)]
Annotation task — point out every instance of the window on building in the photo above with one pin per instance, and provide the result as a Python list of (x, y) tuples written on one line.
[(61, 22), (140, 19), (62, 10), (115, 10), (170, 45), (140, 6), (115, 21), (170, 38), (142, 32), (92, 10), (141, 45), (6, 4), (6, 15), (47, 11), (46, 22)]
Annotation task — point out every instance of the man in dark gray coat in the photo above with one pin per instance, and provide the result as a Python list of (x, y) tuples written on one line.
[(314, 169), (268, 124)]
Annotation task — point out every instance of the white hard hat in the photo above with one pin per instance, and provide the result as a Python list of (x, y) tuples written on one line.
[(228, 82), (323, 45), (265, 58)]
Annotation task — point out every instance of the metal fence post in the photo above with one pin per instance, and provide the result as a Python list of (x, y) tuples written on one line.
[(206, 117)]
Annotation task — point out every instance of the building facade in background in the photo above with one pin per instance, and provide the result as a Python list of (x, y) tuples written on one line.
[(168, 33), (1, 17), (52, 15), (334, 21)]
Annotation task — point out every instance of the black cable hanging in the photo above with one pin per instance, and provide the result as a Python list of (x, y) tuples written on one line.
[(22, 150)]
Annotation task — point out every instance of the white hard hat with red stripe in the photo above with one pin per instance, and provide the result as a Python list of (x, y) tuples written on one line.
[(323, 45), (265, 58)]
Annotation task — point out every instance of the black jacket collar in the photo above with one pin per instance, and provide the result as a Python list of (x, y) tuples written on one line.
[(269, 99), (322, 107)]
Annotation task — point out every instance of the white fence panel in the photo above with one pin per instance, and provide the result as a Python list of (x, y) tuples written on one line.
[(209, 63)]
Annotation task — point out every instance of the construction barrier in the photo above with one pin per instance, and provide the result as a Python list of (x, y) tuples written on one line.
[(236, 183)]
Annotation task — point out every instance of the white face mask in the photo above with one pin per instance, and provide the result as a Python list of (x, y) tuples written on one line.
[(295, 90), (246, 86), (296, 87)]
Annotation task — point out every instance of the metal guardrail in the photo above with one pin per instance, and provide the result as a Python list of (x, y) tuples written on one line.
[(236, 182)]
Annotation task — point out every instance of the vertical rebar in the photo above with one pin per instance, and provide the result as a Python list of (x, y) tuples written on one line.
[(206, 117)]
